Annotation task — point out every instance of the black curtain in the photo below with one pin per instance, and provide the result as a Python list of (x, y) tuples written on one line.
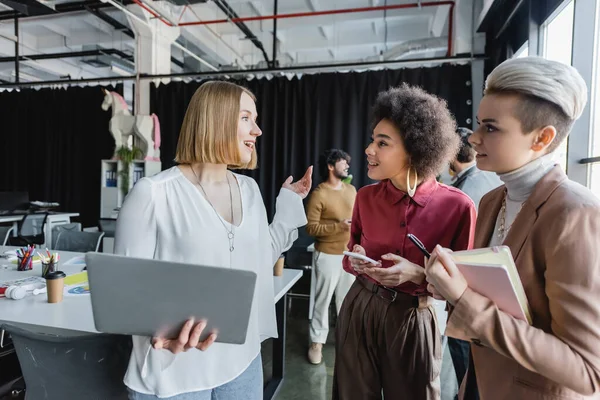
[(52, 144), (301, 117)]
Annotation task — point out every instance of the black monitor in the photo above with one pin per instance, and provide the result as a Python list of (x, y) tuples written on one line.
[(13, 201)]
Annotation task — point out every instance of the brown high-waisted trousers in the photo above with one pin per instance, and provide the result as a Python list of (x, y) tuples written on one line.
[(386, 346)]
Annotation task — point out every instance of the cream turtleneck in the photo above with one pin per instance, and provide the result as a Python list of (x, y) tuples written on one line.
[(519, 185)]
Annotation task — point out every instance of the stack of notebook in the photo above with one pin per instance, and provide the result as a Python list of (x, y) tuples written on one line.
[(492, 273)]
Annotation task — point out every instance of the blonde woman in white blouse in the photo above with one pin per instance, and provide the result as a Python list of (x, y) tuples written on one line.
[(200, 212)]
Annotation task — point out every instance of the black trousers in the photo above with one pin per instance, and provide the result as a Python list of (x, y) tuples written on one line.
[(459, 351)]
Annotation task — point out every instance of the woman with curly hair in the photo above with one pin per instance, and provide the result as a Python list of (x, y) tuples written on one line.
[(387, 340)]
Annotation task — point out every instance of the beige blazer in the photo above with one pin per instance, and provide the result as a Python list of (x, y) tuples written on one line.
[(555, 241)]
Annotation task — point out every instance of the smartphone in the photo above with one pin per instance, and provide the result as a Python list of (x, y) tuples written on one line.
[(360, 257)]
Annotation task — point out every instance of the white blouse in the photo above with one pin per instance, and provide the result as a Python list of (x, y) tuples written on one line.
[(165, 217)]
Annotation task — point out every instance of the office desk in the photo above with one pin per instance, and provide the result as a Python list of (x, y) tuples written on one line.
[(73, 316), (53, 220), (283, 284)]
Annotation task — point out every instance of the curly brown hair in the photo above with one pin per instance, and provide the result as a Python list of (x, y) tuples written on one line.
[(426, 126)]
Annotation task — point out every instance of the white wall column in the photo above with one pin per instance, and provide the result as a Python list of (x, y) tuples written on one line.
[(463, 27), (152, 53)]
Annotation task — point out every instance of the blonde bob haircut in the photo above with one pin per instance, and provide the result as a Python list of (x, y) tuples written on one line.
[(209, 130)]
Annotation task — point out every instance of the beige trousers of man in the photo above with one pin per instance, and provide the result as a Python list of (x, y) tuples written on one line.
[(330, 279)]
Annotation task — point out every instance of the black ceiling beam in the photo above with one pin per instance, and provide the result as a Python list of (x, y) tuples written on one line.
[(177, 62), (120, 27), (86, 53), (64, 8), (92, 6), (230, 13), (28, 7), (82, 5), (509, 18), (111, 21), (4, 15), (498, 14)]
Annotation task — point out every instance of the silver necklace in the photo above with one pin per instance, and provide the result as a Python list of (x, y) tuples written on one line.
[(230, 232)]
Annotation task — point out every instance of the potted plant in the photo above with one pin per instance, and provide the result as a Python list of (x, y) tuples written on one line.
[(127, 156)]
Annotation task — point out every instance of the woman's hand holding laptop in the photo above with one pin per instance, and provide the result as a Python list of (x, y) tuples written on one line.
[(189, 338)]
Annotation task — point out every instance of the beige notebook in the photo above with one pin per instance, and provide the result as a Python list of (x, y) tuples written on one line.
[(492, 272)]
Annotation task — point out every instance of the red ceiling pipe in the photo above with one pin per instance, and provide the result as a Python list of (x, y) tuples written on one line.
[(324, 12), (332, 12), (450, 29), (151, 11)]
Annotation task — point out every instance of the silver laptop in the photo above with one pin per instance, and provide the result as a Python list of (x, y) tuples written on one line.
[(134, 296)]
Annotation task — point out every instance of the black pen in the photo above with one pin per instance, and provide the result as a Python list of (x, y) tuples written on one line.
[(418, 243)]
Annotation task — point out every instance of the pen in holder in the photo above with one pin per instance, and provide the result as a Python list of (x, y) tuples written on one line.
[(25, 263), (49, 263), (48, 267), (25, 258)]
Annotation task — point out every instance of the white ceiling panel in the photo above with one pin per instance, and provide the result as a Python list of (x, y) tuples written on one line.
[(315, 39)]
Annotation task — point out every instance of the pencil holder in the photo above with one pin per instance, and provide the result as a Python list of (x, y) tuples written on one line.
[(48, 267), (24, 263)]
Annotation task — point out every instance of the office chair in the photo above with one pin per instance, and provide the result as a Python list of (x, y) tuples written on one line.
[(12, 384), (56, 230), (108, 226), (90, 366), (30, 230), (5, 233), (78, 241), (298, 257)]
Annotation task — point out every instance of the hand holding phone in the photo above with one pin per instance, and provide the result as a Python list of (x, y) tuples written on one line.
[(360, 257), (359, 260)]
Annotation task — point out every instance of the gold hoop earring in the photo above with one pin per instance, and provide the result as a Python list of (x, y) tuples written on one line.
[(411, 190)]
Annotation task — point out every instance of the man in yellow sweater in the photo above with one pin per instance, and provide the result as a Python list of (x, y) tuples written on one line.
[(328, 212)]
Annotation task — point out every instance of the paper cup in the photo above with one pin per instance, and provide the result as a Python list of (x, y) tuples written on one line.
[(55, 283), (278, 268)]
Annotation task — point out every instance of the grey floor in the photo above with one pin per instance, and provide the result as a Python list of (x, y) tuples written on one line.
[(304, 381)]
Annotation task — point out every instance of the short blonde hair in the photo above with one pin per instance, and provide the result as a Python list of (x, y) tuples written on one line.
[(552, 93), (209, 130)]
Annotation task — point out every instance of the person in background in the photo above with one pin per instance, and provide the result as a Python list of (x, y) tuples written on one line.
[(468, 178), (552, 227), (328, 213), (387, 337), (474, 183), (201, 213)]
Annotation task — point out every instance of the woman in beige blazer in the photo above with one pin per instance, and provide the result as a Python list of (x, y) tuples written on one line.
[(552, 226)]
